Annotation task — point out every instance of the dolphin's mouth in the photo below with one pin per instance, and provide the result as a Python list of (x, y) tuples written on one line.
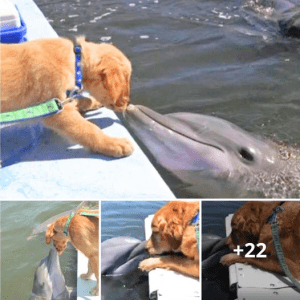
[(177, 127)]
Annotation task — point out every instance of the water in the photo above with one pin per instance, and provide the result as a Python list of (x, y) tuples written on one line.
[(20, 256), (221, 58), (214, 214)]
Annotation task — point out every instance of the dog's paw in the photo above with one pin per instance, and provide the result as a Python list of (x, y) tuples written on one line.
[(95, 291), (86, 276), (120, 147), (149, 264), (229, 259)]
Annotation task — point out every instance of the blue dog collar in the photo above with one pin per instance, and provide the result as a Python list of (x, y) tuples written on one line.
[(78, 66), (195, 220), (78, 73)]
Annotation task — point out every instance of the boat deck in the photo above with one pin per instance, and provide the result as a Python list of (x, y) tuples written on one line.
[(84, 287)]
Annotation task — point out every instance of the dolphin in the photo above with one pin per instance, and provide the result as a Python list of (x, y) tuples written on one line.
[(285, 12), (49, 282), (121, 255), (120, 276), (215, 276), (210, 156)]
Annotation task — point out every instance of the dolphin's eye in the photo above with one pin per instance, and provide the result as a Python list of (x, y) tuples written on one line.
[(245, 154)]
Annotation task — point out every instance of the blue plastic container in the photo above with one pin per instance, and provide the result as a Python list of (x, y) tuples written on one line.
[(15, 34)]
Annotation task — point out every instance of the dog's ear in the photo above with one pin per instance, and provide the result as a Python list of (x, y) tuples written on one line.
[(171, 227), (160, 223), (49, 233), (250, 224), (116, 81), (174, 228)]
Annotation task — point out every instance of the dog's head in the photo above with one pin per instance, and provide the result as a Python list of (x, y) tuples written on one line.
[(168, 226), (247, 222), (55, 232), (107, 74)]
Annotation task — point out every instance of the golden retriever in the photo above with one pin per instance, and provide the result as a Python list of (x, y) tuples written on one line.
[(42, 69), (83, 233), (172, 231), (250, 225)]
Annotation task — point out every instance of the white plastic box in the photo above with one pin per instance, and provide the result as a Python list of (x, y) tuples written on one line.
[(9, 16), (12, 26)]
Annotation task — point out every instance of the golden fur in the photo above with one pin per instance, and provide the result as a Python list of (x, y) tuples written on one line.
[(84, 236), (172, 232), (43, 69), (249, 225)]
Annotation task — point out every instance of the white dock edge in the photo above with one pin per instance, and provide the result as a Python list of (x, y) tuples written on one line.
[(39, 164), (253, 283), (170, 285), (84, 287)]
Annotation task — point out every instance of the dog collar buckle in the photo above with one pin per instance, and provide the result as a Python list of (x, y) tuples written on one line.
[(273, 216), (73, 93)]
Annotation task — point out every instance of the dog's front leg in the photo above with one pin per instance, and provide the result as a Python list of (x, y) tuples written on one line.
[(70, 123), (172, 262)]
